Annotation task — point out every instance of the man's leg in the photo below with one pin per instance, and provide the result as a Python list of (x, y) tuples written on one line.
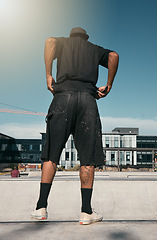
[(87, 179), (48, 173)]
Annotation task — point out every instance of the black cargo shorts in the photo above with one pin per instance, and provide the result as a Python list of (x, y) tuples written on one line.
[(74, 113)]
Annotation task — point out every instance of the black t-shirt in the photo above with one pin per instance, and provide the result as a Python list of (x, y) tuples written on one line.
[(78, 62)]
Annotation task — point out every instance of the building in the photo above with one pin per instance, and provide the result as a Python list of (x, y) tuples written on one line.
[(120, 138), (146, 142), (122, 146), (19, 150)]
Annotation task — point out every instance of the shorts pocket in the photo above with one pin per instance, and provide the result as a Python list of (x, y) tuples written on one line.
[(59, 104)]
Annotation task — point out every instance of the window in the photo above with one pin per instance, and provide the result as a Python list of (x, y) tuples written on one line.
[(121, 156), (18, 147), (14, 147), (4, 147), (72, 143), (116, 142), (40, 147), (112, 158), (72, 156), (127, 157), (67, 156), (25, 147), (107, 142), (36, 147)]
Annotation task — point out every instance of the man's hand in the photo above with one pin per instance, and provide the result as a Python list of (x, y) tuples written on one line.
[(100, 90), (50, 82)]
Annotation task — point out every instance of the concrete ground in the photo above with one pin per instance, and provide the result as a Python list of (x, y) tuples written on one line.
[(70, 230), (127, 202)]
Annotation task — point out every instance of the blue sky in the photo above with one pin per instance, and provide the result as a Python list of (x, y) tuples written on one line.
[(127, 27)]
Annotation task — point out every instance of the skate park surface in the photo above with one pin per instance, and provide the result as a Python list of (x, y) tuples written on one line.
[(126, 200)]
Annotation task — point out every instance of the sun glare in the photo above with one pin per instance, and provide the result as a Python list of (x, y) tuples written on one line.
[(8, 9)]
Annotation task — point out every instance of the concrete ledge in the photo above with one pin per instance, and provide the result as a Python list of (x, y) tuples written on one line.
[(115, 200)]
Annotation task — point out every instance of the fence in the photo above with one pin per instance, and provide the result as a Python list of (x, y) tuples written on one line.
[(153, 152)]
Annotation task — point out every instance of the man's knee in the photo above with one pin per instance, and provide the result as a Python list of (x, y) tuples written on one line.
[(86, 168)]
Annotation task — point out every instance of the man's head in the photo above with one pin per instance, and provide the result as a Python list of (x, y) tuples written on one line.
[(79, 32)]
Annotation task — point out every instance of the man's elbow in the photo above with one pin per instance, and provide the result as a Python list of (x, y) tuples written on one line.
[(50, 41), (114, 55)]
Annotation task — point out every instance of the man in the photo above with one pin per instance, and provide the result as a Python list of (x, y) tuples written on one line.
[(74, 111)]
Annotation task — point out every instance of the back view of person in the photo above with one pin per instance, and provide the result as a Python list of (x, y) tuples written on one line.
[(74, 111), (15, 172)]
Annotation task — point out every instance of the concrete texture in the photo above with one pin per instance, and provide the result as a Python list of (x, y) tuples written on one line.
[(128, 205), (114, 199), (74, 231)]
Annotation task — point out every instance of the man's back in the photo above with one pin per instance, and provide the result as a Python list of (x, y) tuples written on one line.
[(78, 59)]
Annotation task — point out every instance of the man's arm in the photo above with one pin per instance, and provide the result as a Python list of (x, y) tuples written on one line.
[(49, 56), (113, 61)]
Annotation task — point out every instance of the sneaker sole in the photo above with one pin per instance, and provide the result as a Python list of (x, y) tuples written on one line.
[(39, 217), (89, 222)]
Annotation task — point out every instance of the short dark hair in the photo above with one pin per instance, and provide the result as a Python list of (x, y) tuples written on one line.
[(79, 35)]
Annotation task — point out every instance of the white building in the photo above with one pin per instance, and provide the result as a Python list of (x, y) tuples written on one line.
[(69, 157), (118, 138)]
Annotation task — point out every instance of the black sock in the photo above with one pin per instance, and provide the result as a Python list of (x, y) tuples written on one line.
[(44, 193), (86, 200)]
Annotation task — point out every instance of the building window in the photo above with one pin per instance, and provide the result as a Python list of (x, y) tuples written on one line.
[(25, 147), (36, 147), (116, 142), (18, 147), (127, 157), (67, 156), (72, 156), (4, 147), (72, 143), (112, 158), (107, 142)]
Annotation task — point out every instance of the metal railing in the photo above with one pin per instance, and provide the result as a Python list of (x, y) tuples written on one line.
[(133, 149)]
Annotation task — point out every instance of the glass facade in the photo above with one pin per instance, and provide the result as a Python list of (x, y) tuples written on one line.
[(145, 158), (20, 150), (29, 150)]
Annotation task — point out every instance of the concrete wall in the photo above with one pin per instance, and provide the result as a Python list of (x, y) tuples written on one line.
[(115, 200)]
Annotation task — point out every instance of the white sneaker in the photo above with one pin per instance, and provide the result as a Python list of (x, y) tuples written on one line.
[(86, 218), (40, 214)]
